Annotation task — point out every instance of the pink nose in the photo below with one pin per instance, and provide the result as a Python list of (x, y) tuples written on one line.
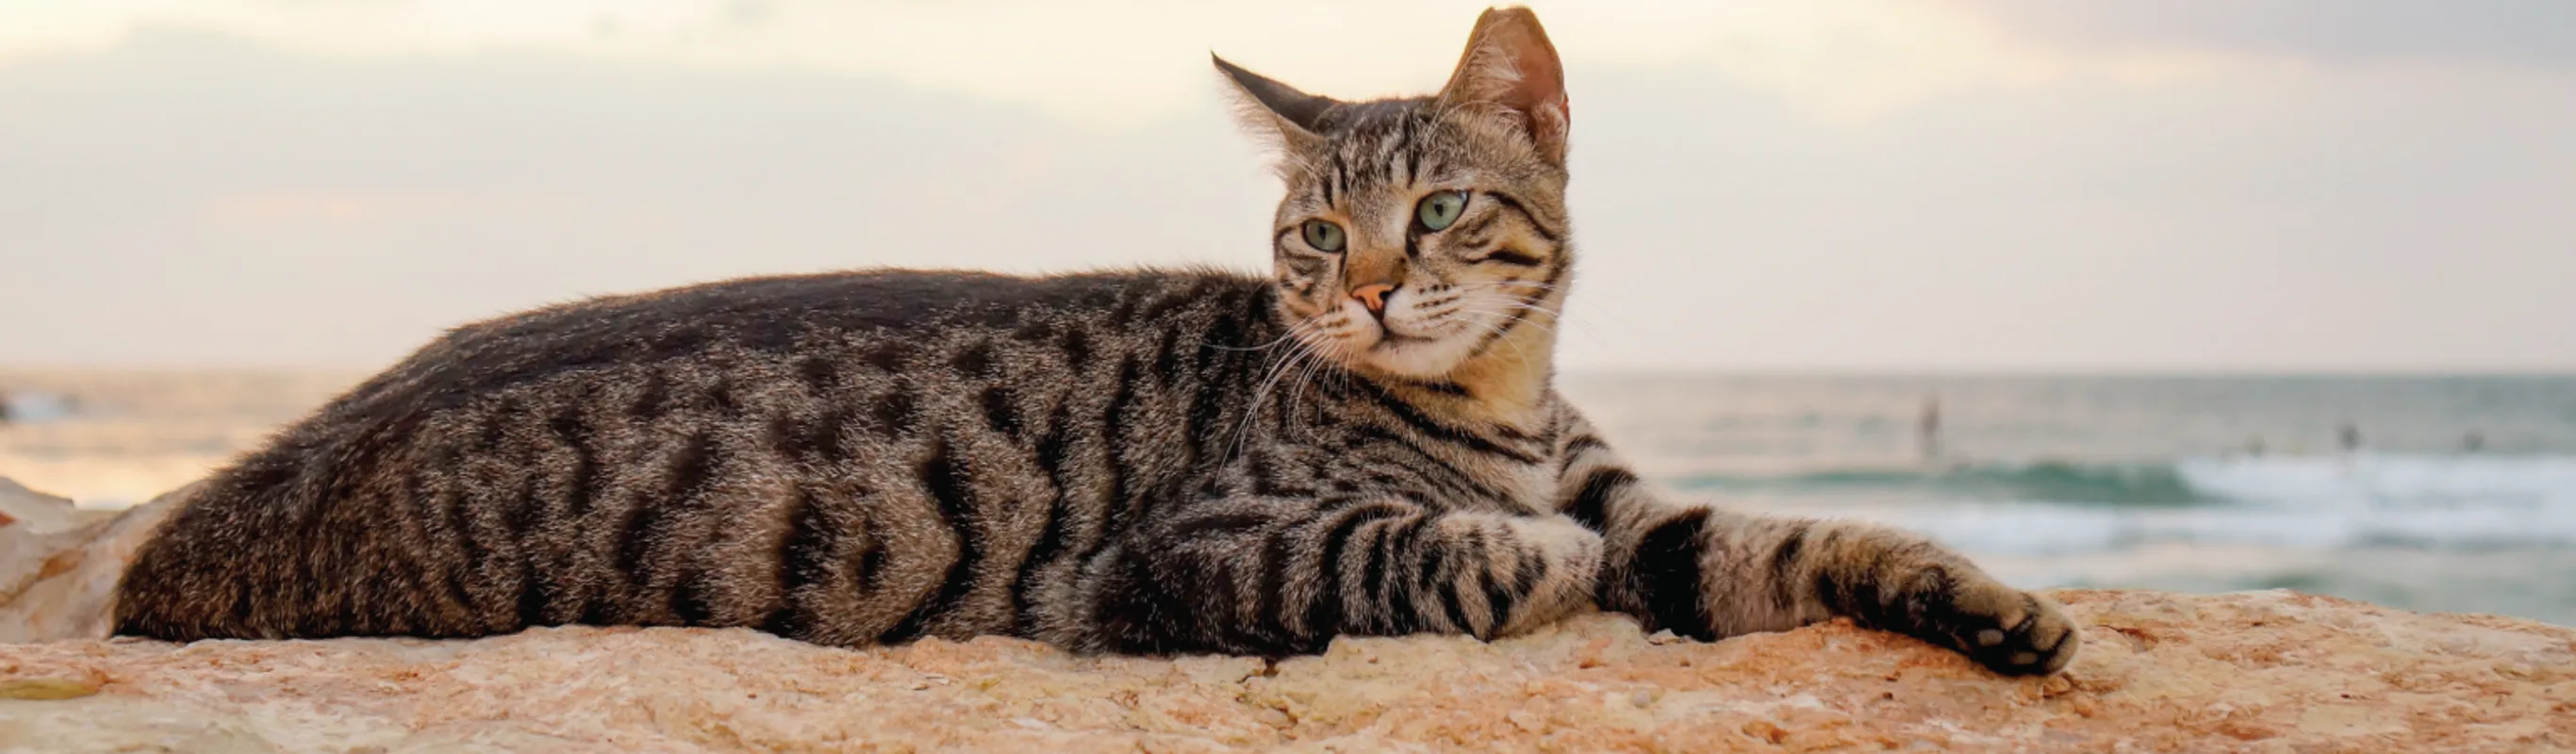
[(1373, 295)]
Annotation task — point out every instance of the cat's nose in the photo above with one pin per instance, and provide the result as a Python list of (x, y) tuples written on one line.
[(1373, 296)]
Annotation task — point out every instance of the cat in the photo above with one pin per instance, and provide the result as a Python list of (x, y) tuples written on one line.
[(1363, 442)]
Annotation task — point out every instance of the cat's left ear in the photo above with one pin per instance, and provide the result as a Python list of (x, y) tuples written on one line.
[(1265, 103), (1510, 67)]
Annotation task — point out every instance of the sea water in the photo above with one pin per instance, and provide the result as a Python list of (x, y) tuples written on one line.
[(2429, 493)]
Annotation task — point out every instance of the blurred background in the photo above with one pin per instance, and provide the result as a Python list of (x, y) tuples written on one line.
[(2197, 296)]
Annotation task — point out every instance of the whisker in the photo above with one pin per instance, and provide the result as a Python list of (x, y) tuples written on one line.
[(1273, 370), (1585, 327), (1509, 319), (1274, 343)]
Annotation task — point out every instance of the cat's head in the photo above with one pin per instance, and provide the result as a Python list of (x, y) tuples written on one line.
[(1420, 235)]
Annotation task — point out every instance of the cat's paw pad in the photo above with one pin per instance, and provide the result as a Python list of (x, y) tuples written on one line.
[(2006, 629)]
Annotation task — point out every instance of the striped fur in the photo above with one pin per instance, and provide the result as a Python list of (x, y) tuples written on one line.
[(1153, 461)]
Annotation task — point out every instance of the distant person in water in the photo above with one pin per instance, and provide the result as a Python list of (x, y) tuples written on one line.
[(2351, 438), (2476, 441), (1929, 430)]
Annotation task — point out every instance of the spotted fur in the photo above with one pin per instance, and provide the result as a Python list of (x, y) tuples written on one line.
[(1364, 442)]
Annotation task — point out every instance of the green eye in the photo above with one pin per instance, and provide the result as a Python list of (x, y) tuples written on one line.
[(1437, 211), (1323, 235)]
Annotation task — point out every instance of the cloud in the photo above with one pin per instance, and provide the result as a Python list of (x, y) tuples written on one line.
[(187, 197), (311, 209), (1838, 59), (351, 208), (2518, 32)]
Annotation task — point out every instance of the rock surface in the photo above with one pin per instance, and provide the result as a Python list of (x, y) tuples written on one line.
[(26, 510), (2259, 671), (59, 564)]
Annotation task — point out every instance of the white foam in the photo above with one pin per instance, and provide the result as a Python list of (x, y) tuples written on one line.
[(2386, 480), (2299, 503)]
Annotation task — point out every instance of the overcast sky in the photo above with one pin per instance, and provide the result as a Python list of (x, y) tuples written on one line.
[(1789, 184)]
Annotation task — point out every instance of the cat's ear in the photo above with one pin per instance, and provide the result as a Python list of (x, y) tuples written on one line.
[(1510, 68), (1268, 105)]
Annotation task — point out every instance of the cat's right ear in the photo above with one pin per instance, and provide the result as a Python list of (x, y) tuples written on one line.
[(1267, 105)]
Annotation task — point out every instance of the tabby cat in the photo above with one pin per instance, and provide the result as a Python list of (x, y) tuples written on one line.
[(1364, 442)]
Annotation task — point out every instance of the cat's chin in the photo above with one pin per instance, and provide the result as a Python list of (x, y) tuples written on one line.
[(1412, 356)]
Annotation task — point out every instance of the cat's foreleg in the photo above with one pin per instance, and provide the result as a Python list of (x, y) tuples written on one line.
[(1711, 573)]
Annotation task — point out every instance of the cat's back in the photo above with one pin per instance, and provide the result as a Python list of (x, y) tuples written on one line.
[(823, 327), (662, 458), (802, 314)]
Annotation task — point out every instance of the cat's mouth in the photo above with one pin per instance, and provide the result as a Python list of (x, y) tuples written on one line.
[(1392, 337), (1391, 340), (1404, 346)]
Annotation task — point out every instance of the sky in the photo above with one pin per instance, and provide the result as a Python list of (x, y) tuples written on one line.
[(1802, 185)]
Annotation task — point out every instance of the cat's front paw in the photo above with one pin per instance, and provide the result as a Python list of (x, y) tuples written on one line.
[(1563, 576), (2010, 630)]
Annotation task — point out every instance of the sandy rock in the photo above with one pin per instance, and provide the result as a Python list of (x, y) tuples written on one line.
[(2268, 671), (31, 532), (56, 582), (30, 512), (2258, 671)]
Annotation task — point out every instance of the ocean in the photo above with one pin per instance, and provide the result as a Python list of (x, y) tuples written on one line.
[(2453, 494)]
